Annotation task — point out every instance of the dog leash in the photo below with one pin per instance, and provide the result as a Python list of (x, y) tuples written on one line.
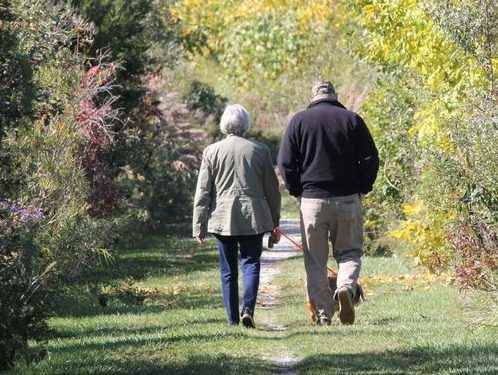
[(296, 244), (360, 292), (291, 240)]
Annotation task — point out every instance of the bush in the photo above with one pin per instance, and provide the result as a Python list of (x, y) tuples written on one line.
[(144, 178), (158, 180), (55, 126), (447, 180), (23, 279), (202, 97)]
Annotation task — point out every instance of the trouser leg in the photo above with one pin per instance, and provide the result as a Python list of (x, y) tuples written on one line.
[(250, 259), (347, 240), (316, 251), (228, 255), (349, 271)]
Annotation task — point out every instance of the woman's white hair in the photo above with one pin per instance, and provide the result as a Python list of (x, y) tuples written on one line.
[(235, 120)]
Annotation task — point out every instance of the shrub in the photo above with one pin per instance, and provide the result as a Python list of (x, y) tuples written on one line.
[(449, 186), (202, 97), (56, 126), (23, 279), (144, 178), (162, 157)]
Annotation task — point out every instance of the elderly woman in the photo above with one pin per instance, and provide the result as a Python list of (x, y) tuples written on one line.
[(238, 195)]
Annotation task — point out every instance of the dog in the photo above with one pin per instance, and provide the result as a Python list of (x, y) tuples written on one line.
[(358, 297)]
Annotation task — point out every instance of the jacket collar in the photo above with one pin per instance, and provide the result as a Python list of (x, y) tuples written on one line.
[(327, 101)]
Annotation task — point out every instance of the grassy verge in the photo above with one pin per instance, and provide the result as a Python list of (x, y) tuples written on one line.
[(407, 326), (179, 328)]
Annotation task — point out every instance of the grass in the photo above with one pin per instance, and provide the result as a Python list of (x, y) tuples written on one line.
[(181, 329), (420, 330), (290, 206)]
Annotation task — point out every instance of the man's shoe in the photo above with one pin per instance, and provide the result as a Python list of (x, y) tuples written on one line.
[(346, 307), (247, 319)]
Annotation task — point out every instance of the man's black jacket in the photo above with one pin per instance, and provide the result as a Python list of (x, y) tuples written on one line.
[(327, 151)]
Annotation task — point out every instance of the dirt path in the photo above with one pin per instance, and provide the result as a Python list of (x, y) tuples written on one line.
[(269, 294)]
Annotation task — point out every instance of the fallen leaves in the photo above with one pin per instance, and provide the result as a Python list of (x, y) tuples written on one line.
[(406, 282)]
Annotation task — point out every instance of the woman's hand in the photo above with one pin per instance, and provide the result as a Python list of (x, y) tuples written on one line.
[(275, 234), (200, 238)]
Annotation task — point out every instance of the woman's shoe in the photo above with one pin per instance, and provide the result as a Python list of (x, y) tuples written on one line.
[(247, 319)]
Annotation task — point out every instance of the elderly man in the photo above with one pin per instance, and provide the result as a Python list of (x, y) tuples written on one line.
[(237, 200), (329, 160)]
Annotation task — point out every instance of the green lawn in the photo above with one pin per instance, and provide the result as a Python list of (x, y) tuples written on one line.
[(421, 330), (180, 328)]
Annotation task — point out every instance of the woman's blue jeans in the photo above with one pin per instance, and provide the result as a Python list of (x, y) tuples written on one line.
[(250, 254)]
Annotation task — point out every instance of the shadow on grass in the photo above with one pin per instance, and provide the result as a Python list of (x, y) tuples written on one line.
[(195, 364), (85, 305), (117, 331), (146, 339), (478, 359), (158, 257)]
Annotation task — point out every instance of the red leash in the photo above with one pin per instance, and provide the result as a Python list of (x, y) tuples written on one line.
[(282, 233), (296, 244)]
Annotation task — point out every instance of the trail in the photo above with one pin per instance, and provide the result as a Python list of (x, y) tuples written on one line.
[(269, 294)]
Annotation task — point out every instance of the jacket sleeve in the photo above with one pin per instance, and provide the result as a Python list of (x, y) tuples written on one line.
[(203, 198), (271, 188), (367, 156), (288, 161)]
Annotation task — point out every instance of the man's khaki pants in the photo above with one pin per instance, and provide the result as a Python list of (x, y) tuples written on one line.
[(339, 220)]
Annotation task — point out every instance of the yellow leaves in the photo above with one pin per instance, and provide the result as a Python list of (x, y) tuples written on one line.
[(429, 127), (410, 228), (401, 32), (413, 209), (408, 282), (370, 12), (256, 40), (317, 13), (216, 17), (425, 232)]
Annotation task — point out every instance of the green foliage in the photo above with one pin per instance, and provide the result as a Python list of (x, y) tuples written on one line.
[(121, 31), (147, 160), (443, 56), (43, 144), (262, 47), (389, 113), (120, 27), (23, 278), (139, 35), (472, 25), (202, 97), (15, 72), (47, 132)]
